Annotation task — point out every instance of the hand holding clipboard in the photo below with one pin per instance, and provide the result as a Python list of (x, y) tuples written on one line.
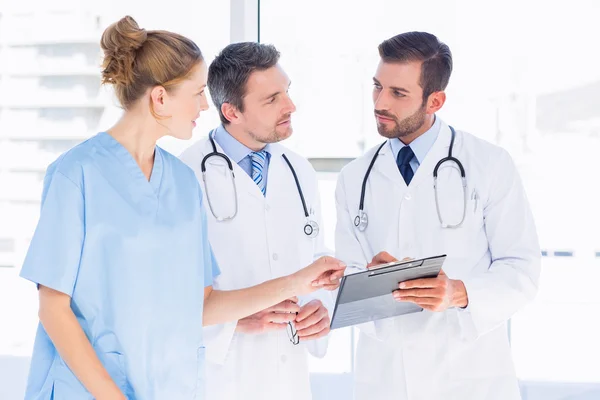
[(433, 294), (369, 295)]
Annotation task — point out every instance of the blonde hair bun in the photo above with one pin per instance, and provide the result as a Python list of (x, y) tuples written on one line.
[(120, 41)]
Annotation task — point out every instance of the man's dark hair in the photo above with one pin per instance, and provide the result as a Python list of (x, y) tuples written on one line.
[(435, 56), (229, 72)]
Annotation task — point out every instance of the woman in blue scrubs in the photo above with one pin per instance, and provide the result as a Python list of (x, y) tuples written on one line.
[(120, 253)]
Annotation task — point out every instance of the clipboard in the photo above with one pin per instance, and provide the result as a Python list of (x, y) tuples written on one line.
[(367, 296)]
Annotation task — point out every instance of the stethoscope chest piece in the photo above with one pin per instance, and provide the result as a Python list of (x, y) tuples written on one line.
[(311, 228), (361, 221)]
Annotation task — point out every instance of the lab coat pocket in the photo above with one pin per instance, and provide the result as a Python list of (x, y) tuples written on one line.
[(374, 361), (459, 242), (482, 358), (455, 242)]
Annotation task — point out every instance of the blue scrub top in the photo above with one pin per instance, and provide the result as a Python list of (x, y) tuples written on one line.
[(134, 256)]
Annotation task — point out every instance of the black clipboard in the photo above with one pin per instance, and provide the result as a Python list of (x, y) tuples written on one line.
[(367, 296)]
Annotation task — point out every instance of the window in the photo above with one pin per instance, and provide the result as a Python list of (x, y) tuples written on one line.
[(524, 78)]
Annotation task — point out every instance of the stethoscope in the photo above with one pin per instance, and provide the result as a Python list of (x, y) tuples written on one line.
[(361, 221), (311, 228)]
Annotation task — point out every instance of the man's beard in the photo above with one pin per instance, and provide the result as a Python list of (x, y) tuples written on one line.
[(406, 127), (273, 136)]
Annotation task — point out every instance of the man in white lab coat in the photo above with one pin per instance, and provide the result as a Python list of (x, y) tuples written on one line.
[(263, 222), (458, 346)]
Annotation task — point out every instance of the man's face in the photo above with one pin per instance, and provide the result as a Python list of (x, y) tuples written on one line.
[(267, 106), (398, 99)]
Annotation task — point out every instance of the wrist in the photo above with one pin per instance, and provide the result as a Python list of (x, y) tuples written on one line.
[(289, 286), (459, 294)]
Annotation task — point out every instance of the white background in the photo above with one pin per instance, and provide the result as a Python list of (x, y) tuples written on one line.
[(526, 76)]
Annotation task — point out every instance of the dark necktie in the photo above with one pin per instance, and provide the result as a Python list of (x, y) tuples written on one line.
[(403, 160)]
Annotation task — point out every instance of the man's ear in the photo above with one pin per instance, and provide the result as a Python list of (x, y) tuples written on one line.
[(435, 101), (231, 113)]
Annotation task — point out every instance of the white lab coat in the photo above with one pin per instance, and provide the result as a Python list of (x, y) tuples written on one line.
[(264, 241), (461, 354)]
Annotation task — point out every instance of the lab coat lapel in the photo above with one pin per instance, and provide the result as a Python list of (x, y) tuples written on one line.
[(279, 174), (386, 166), (438, 151)]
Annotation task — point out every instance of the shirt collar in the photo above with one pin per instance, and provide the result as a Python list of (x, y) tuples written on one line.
[(235, 150), (421, 145)]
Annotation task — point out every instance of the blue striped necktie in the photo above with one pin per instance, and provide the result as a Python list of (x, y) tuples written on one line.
[(258, 164)]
